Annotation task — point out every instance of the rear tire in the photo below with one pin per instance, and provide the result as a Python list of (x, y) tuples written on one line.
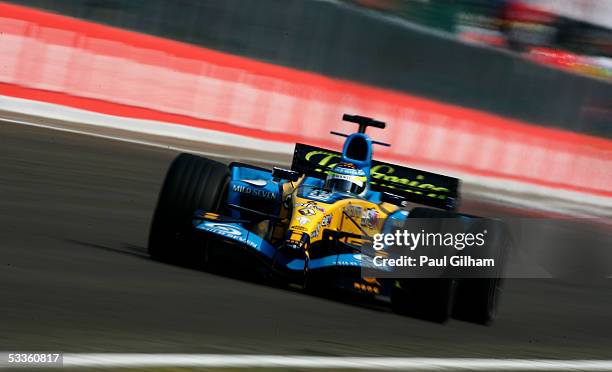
[(424, 298), (192, 183), (476, 299), (473, 299)]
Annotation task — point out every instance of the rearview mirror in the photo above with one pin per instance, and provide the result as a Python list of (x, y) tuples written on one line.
[(285, 174)]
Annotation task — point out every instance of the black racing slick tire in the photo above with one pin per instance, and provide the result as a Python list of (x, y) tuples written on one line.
[(424, 298), (191, 183), (476, 299), (472, 299)]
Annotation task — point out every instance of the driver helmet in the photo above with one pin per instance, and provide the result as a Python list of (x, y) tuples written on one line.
[(347, 178)]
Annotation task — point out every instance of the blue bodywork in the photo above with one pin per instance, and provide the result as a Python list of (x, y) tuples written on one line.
[(248, 183), (237, 231)]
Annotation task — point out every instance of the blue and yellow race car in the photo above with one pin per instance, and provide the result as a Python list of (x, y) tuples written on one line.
[(312, 225)]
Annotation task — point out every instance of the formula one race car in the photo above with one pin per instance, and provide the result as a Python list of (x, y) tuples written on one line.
[(309, 225)]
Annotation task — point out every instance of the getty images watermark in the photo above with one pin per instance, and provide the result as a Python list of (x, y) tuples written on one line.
[(437, 248), (471, 247), (412, 241)]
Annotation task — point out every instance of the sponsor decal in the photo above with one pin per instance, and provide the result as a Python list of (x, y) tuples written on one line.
[(353, 211), (303, 220), (367, 218), (260, 193), (311, 204), (229, 231), (319, 194), (355, 179), (309, 209), (223, 229), (370, 218), (327, 220), (384, 172), (323, 158), (348, 169), (350, 172), (317, 231), (258, 183), (344, 262)]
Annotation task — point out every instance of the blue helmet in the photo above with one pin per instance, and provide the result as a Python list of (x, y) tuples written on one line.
[(347, 178)]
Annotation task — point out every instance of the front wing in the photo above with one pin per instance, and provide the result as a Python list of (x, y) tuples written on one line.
[(344, 268)]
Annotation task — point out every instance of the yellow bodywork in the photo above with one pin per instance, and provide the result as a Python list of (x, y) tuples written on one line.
[(351, 215)]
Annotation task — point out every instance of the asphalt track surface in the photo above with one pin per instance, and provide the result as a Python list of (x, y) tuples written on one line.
[(75, 277)]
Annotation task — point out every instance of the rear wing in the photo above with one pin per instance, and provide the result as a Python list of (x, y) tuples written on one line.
[(415, 185)]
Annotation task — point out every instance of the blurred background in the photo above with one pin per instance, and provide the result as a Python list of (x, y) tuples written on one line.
[(474, 53), (569, 34)]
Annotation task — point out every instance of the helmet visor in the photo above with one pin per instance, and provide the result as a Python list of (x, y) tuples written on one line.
[(342, 185)]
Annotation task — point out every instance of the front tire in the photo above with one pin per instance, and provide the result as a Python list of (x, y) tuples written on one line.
[(192, 183)]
